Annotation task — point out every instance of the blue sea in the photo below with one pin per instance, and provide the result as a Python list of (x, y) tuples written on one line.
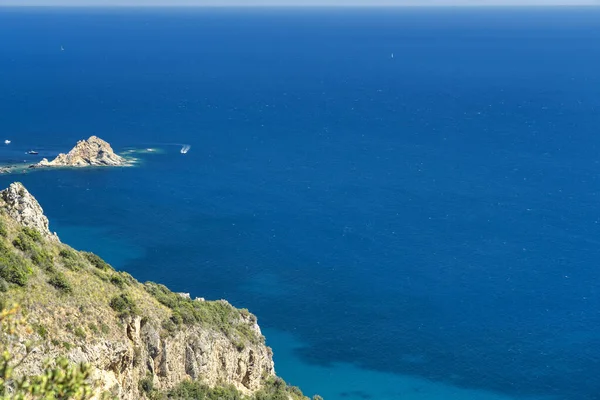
[(408, 199)]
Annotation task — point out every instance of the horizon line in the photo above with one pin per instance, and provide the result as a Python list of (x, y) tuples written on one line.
[(530, 5), (328, 4)]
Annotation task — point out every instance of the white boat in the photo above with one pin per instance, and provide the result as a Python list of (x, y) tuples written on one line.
[(7, 141), (185, 149)]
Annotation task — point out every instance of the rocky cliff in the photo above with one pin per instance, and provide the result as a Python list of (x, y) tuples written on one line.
[(24, 209), (91, 152), (131, 333)]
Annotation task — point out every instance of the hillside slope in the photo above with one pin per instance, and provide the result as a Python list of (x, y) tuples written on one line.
[(140, 338)]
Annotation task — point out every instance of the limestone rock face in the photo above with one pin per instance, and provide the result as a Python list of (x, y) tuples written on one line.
[(142, 352), (22, 207), (91, 152)]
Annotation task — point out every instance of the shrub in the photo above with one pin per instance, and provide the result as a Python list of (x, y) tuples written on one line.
[(93, 328), (80, 333), (117, 280), (3, 286), (23, 242), (32, 233), (169, 326), (275, 388), (42, 331), (42, 258), (60, 282), (188, 390), (147, 384), (70, 259), (101, 275), (96, 261), (104, 328), (13, 269), (124, 305)]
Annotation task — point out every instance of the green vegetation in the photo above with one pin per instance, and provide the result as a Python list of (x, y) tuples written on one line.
[(217, 314), (275, 389), (124, 305), (13, 268), (23, 242), (59, 281), (147, 384), (42, 331), (96, 261), (33, 234), (42, 258), (118, 280), (71, 259), (93, 328), (80, 333)]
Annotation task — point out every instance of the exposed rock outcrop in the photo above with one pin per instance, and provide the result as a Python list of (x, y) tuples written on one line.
[(142, 352), (86, 153), (22, 207)]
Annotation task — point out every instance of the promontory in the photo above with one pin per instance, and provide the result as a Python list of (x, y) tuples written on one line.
[(72, 327)]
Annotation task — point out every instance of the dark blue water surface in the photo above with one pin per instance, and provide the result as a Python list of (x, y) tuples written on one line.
[(435, 215)]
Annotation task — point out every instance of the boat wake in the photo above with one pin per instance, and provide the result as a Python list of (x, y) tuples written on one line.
[(149, 147)]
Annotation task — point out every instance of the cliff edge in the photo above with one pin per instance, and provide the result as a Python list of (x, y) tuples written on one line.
[(91, 152), (141, 339)]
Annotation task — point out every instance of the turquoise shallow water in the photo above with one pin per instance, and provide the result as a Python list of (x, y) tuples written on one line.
[(422, 227)]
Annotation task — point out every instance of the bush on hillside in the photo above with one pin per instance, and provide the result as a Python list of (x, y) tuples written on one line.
[(124, 305), (71, 259), (96, 261), (13, 268), (59, 281), (32, 233)]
